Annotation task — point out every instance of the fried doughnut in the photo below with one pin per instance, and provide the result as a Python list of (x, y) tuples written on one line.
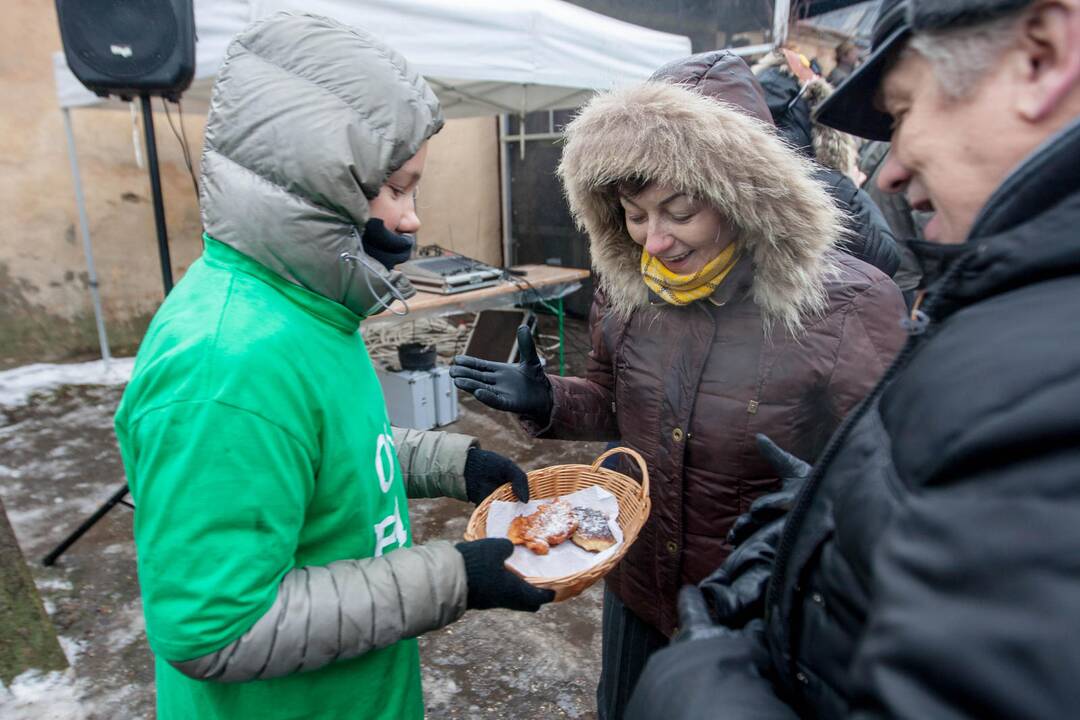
[(550, 525), (593, 530)]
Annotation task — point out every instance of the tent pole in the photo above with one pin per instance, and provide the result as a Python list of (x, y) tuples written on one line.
[(84, 228), (781, 19), (504, 190)]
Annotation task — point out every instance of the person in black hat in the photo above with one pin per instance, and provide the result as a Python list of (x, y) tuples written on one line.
[(926, 565), (847, 57)]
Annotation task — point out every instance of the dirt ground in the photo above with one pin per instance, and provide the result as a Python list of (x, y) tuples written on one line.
[(58, 462)]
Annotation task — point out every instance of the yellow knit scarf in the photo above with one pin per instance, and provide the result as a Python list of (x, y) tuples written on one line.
[(685, 289)]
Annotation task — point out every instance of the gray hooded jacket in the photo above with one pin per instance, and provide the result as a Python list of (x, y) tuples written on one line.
[(308, 119)]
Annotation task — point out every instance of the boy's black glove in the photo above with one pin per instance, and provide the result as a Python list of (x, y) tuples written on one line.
[(491, 585), (521, 387), (766, 509), (386, 246), (486, 471)]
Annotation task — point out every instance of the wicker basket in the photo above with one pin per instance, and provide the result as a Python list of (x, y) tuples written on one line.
[(558, 480)]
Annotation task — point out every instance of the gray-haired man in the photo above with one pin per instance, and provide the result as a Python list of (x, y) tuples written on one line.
[(928, 567)]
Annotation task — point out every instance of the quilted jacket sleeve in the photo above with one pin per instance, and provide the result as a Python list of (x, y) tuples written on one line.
[(432, 462), (584, 408), (342, 610), (871, 337), (219, 517)]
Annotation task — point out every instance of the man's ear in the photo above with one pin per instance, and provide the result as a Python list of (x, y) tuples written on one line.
[(1050, 52)]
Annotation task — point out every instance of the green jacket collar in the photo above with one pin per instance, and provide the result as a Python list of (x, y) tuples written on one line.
[(218, 254)]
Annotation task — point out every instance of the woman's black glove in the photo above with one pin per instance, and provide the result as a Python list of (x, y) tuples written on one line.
[(486, 471), (792, 473), (521, 388), (491, 585), (386, 246)]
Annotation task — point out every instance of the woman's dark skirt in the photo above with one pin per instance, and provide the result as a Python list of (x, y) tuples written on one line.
[(628, 641)]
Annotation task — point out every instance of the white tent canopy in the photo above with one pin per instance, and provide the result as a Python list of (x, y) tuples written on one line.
[(482, 57)]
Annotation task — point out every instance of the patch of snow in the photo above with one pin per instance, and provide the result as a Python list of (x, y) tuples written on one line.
[(132, 628), (72, 648), (118, 549), (53, 584), (34, 695), (18, 384)]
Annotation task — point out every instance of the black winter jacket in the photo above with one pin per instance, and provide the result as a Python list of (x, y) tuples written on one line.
[(931, 566), (871, 239)]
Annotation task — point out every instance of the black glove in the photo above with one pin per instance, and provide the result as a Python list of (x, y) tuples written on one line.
[(695, 622), (491, 585), (736, 590), (521, 388), (486, 471), (386, 246), (792, 473)]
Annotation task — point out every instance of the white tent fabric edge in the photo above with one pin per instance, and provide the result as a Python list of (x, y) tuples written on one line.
[(517, 55)]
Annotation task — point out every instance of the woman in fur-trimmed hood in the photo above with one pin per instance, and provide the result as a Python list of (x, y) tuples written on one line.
[(721, 312)]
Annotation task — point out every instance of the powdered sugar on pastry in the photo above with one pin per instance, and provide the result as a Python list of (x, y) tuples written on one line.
[(550, 525)]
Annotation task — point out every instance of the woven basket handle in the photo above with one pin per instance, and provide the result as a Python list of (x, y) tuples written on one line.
[(634, 454)]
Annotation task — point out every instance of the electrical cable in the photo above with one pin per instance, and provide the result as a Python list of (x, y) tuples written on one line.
[(181, 137)]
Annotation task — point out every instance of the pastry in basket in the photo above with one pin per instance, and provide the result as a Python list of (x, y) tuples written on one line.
[(550, 525), (593, 530)]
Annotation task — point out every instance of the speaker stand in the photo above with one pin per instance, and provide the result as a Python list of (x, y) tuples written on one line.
[(117, 498), (155, 193)]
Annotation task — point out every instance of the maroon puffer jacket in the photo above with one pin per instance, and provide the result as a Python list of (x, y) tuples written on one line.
[(789, 343)]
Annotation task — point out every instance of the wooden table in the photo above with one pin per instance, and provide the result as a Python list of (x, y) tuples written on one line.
[(540, 284)]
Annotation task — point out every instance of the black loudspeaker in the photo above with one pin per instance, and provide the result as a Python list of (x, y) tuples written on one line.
[(130, 47)]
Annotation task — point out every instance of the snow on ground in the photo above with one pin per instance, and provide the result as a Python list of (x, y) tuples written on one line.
[(37, 696), (34, 695), (18, 384)]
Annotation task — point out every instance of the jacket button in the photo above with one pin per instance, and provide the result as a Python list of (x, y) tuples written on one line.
[(816, 597), (672, 547), (801, 677), (677, 434)]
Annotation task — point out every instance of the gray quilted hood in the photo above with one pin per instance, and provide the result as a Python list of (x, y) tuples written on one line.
[(307, 120)]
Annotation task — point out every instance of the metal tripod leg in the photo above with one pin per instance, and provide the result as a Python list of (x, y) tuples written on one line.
[(116, 499)]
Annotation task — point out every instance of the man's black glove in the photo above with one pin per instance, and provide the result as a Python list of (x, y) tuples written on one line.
[(386, 246), (486, 471), (521, 388), (491, 585), (736, 590), (792, 473), (695, 621)]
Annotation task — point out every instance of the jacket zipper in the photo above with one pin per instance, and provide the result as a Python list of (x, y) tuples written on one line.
[(916, 325)]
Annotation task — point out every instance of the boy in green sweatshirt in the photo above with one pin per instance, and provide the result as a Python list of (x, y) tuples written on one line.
[(276, 564)]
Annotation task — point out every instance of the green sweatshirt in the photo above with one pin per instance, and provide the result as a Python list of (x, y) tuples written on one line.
[(255, 439)]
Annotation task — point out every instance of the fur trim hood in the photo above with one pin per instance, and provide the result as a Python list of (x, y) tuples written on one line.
[(828, 146), (670, 134)]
